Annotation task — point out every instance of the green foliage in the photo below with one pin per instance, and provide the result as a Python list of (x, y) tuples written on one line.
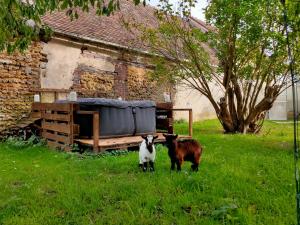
[(238, 183), (227, 212), (21, 143), (241, 54), (254, 31), (20, 20)]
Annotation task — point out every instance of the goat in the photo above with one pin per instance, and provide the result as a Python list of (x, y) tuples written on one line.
[(185, 150), (147, 152)]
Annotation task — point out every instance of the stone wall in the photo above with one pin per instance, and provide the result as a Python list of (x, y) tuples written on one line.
[(141, 86), (99, 72), (19, 74), (64, 65), (91, 82)]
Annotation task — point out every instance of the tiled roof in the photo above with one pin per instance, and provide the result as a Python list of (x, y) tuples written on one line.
[(108, 29)]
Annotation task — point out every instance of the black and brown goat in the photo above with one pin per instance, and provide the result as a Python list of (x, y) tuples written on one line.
[(185, 150)]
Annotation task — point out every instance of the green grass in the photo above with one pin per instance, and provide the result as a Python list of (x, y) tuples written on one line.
[(243, 179)]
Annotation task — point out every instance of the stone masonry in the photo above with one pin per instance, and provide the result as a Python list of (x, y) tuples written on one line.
[(19, 74), (125, 76)]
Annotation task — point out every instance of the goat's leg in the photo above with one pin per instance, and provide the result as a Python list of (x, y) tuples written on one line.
[(151, 163), (172, 164), (195, 167), (178, 164), (145, 165)]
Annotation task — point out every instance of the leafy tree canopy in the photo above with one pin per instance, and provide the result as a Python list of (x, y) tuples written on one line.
[(242, 57), (20, 20)]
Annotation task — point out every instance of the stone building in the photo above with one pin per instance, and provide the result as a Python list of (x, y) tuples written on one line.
[(94, 56)]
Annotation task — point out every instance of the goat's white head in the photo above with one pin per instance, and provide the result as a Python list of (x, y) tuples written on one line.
[(149, 139)]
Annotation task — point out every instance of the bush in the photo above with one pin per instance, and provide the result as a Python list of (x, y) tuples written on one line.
[(20, 142)]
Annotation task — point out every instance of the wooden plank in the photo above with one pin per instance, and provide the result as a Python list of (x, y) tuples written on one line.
[(55, 95), (96, 128), (71, 124), (57, 117), (58, 127), (75, 129), (35, 114), (56, 145), (181, 109), (164, 105), (122, 142), (56, 137), (82, 112), (59, 107)]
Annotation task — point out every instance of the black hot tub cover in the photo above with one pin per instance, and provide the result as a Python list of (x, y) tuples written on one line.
[(117, 117)]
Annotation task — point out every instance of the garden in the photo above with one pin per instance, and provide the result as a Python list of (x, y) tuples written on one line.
[(242, 179)]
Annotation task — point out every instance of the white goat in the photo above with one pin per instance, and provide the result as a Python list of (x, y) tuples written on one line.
[(147, 152)]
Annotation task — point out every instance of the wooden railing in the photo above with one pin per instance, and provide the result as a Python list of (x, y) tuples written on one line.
[(165, 117)]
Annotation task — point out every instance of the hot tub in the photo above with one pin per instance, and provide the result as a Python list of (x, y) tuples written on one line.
[(117, 118)]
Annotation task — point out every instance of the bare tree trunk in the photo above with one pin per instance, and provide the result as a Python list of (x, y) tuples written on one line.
[(230, 114)]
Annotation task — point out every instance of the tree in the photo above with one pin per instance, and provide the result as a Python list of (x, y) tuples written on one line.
[(20, 20), (244, 53)]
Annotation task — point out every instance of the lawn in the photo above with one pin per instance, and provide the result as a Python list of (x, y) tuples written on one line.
[(243, 179)]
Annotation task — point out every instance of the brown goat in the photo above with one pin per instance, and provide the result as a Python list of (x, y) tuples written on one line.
[(185, 150)]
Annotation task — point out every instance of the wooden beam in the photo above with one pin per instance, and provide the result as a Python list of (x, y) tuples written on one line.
[(82, 112), (190, 118), (58, 127), (55, 145), (57, 117), (96, 130), (58, 107), (164, 105), (56, 137), (181, 109)]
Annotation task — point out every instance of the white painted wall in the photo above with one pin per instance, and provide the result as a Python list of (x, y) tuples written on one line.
[(190, 98), (63, 58), (62, 61)]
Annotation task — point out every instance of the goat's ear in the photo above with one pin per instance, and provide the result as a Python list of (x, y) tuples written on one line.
[(175, 136), (154, 137), (144, 137)]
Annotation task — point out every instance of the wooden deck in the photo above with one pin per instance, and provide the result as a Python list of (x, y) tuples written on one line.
[(60, 129), (122, 142)]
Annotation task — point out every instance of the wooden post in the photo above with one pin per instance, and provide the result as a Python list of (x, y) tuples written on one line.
[(55, 95), (170, 116), (96, 129), (190, 122), (71, 124)]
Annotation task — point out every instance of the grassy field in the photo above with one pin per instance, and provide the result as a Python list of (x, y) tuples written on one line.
[(243, 179)]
